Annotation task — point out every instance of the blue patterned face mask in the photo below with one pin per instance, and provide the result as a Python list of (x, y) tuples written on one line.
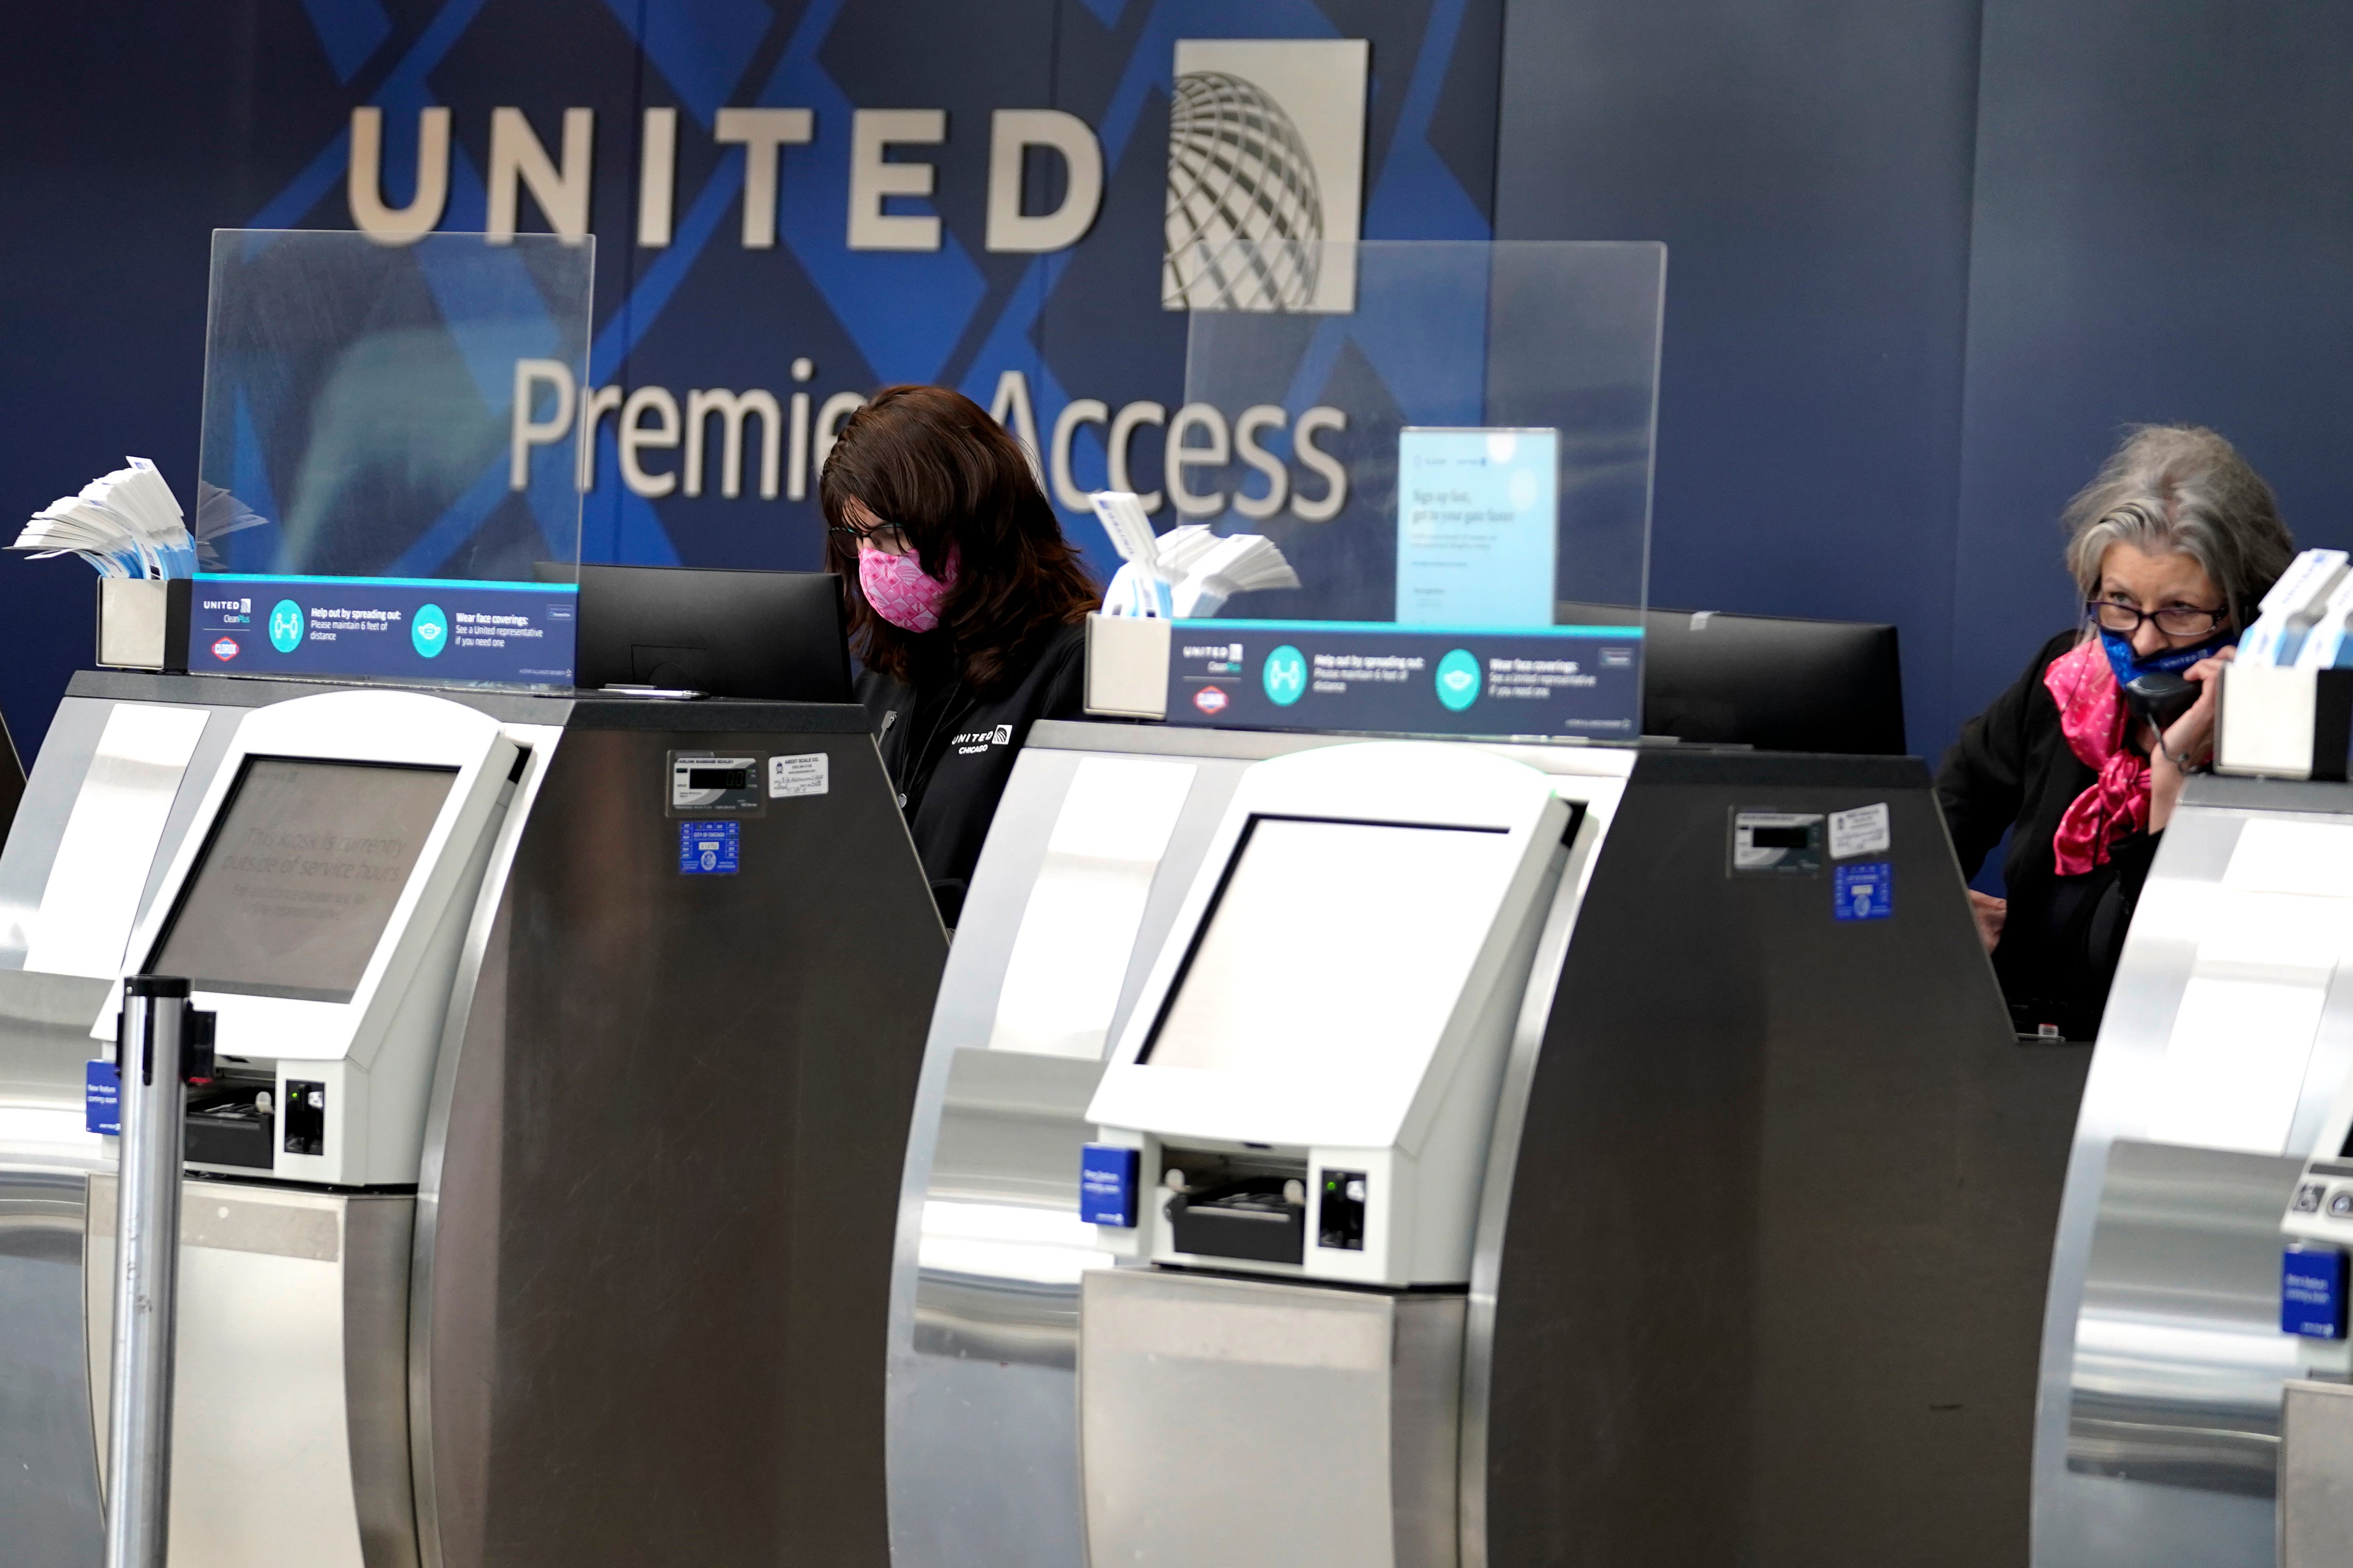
[(2130, 666)]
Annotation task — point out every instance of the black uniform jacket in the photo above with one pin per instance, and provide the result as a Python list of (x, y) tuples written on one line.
[(950, 753), (2012, 770)]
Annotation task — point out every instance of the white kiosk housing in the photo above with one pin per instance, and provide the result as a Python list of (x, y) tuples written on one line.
[(319, 913), (1310, 1079), (1331, 1014)]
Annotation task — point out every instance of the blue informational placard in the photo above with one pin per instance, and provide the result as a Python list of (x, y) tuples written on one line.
[(1107, 1184), (707, 848), (1864, 892), (395, 628), (1478, 527), (2312, 1293), (1419, 680), (102, 1099)]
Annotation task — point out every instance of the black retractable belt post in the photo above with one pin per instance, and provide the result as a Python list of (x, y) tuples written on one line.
[(160, 1043)]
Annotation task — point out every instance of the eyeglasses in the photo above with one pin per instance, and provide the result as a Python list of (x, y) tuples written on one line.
[(2173, 620), (886, 537)]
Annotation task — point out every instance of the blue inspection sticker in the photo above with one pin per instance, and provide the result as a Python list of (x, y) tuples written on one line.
[(102, 1099), (707, 848), (2312, 1293), (1866, 893), (1107, 1184)]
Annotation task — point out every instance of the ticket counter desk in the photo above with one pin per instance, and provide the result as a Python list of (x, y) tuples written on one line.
[(537, 1210), (1534, 1154), (2228, 1035)]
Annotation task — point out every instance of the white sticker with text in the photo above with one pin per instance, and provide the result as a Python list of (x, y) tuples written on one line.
[(805, 775), (1863, 831)]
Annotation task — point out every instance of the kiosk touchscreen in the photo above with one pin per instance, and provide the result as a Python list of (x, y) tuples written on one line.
[(317, 908), (1309, 1077)]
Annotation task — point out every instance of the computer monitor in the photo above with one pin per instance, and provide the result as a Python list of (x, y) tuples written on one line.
[(777, 636), (1775, 683)]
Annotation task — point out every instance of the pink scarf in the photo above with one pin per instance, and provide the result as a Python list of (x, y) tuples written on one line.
[(2092, 717)]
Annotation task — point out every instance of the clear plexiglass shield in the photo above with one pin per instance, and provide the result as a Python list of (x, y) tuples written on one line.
[(1452, 473), (387, 481)]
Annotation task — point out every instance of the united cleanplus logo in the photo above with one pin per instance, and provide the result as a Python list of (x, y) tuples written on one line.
[(225, 648)]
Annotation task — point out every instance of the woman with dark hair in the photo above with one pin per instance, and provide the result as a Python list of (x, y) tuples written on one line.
[(2171, 547), (968, 612)]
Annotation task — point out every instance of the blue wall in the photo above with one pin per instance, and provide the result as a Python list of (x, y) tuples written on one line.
[(1927, 258), (1926, 255)]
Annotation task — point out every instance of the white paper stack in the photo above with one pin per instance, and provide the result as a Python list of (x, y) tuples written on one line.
[(1140, 587), (1187, 573), (219, 515), (127, 524), (1237, 563)]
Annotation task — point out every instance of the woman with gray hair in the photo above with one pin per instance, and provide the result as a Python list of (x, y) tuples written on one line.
[(2172, 546)]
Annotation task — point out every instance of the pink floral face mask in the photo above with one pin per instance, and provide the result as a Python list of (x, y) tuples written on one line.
[(901, 591)]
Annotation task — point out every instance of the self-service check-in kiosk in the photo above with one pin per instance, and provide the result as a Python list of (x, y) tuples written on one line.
[(1304, 1094), (537, 1208), (1561, 1154)]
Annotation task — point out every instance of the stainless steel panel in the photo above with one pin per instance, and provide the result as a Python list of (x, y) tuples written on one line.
[(45, 1043), (1502, 1159), (2316, 1503), (2157, 1415), (104, 856), (1267, 1425), (468, 1243), (2179, 1353), (291, 1441), (49, 1507), (40, 820)]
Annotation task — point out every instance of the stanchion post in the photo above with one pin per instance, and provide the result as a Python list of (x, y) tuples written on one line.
[(150, 1039)]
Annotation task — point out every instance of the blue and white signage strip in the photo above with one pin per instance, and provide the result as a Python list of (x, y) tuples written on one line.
[(1380, 676), (398, 628)]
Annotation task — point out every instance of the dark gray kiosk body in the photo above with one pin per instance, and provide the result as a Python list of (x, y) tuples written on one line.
[(1769, 1288), (1759, 1255), (632, 1308)]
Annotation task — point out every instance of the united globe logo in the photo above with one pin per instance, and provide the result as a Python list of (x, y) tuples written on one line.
[(1239, 171), (1266, 146)]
